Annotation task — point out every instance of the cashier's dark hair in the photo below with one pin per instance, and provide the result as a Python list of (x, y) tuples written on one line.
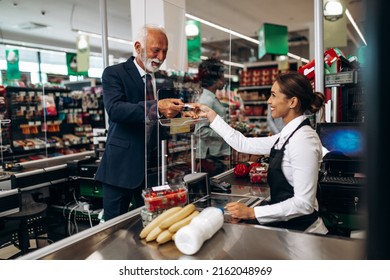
[(294, 84), (210, 71)]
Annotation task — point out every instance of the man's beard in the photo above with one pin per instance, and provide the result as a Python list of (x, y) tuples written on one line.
[(148, 63)]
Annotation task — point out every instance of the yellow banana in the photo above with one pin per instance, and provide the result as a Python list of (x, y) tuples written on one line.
[(187, 210), (164, 237), (155, 223), (176, 226), (153, 234)]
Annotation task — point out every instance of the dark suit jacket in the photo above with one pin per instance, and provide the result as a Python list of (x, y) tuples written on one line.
[(123, 161)]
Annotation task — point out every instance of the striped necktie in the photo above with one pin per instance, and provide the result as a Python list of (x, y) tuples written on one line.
[(149, 87)]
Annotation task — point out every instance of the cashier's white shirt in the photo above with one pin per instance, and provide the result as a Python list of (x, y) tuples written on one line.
[(300, 165)]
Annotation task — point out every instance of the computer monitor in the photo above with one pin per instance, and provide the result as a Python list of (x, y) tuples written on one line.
[(345, 143), (197, 185), (344, 140)]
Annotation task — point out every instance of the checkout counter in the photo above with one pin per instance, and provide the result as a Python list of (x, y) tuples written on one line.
[(40, 173), (118, 239), (21, 215)]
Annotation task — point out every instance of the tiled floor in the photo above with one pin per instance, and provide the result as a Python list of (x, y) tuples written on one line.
[(8, 251), (58, 228)]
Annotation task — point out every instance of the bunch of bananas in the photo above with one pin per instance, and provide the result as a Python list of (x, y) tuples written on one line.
[(164, 227)]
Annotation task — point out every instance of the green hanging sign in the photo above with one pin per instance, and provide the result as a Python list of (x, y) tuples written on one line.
[(71, 63), (13, 72), (273, 39)]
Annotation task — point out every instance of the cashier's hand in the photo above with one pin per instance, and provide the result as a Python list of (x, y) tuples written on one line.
[(239, 210), (189, 114), (170, 107), (202, 110)]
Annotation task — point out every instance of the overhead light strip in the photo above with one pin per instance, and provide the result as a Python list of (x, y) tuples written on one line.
[(349, 16), (223, 28), (239, 65), (239, 35), (113, 39), (39, 48)]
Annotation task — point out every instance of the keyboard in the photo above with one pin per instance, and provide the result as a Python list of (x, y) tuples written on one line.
[(343, 180)]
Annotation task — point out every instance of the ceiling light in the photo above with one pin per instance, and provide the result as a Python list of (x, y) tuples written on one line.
[(192, 29), (223, 29), (349, 16), (333, 10), (113, 39), (240, 35), (82, 42)]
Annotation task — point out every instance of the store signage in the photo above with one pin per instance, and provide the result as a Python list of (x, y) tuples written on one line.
[(82, 53), (273, 39), (71, 63), (13, 72)]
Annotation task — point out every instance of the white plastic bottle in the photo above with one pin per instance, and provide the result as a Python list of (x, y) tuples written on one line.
[(190, 238)]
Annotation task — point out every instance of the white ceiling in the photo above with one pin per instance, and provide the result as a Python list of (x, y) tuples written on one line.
[(64, 17)]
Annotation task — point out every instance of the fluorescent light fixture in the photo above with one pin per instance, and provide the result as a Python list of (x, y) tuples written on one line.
[(82, 42), (333, 10), (298, 57), (192, 29), (113, 39), (223, 29), (239, 35), (230, 63), (349, 16)]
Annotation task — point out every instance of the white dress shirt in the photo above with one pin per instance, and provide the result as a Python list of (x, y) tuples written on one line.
[(301, 163)]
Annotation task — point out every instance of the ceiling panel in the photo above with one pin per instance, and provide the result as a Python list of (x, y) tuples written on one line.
[(63, 17)]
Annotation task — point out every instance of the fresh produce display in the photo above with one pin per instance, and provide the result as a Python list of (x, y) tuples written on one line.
[(165, 225), (164, 197), (241, 169)]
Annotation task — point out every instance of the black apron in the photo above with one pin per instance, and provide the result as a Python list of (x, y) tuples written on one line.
[(281, 189)]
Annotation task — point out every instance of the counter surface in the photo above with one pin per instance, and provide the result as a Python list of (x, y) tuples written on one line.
[(118, 239)]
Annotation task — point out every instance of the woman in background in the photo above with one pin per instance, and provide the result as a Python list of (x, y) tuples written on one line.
[(212, 148)]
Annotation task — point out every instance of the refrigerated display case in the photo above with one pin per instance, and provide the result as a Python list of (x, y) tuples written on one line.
[(46, 122)]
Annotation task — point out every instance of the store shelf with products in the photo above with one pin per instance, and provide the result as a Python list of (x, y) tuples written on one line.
[(255, 109), (49, 121), (256, 80)]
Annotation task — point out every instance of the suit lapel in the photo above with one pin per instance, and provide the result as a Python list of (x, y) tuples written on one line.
[(134, 75)]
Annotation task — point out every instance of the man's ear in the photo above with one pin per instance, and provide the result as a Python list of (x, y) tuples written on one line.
[(137, 47)]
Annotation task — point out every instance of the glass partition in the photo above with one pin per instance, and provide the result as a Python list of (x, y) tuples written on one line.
[(41, 117), (183, 144)]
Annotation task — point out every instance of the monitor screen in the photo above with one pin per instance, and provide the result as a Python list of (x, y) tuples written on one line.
[(343, 140), (197, 185)]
